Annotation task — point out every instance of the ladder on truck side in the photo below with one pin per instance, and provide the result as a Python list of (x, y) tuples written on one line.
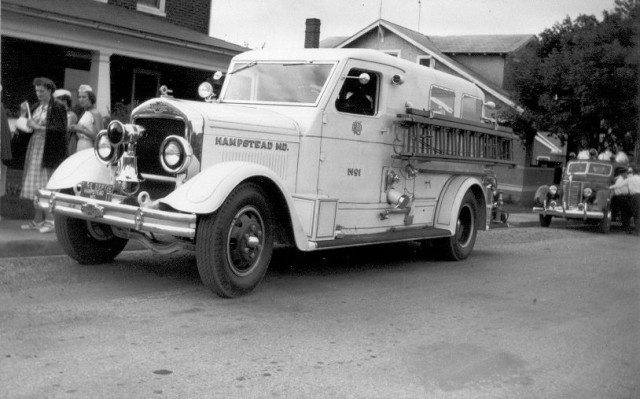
[(424, 135)]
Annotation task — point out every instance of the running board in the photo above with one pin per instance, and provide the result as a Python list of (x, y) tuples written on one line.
[(382, 238)]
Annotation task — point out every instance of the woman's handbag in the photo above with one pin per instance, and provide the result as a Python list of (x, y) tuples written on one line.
[(20, 139), (21, 125)]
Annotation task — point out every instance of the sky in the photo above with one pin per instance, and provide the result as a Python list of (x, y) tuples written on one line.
[(281, 23)]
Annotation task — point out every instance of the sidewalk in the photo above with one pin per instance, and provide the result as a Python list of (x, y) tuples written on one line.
[(15, 242)]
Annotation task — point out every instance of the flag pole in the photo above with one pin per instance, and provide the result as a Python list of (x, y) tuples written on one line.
[(419, 14)]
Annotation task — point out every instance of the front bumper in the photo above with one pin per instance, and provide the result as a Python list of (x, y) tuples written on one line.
[(572, 213), (138, 218)]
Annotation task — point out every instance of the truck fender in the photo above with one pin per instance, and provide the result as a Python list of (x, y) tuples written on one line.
[(81, 166), (451, 199), (207, 191)]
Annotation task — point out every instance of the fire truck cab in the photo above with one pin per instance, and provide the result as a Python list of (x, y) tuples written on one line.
[(314, 148)]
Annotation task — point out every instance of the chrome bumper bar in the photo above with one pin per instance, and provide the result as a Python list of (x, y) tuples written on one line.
[(124, 216), (568, 213)]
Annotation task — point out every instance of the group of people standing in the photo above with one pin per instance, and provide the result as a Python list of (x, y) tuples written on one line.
[(57, 131), (626, 194)]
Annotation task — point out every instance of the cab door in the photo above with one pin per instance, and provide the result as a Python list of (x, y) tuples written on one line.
[(355, 144), (350, 136)]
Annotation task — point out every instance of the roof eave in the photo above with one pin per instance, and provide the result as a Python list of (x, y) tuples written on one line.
[(60, 18)]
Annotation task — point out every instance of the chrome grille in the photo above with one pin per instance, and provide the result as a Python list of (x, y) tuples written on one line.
[(148, 147), (148, 153), (572, 193)]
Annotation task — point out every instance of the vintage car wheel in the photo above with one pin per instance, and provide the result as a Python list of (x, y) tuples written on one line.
[(545, 221), (88, 242), (234, 245), (459, 246), (605, 224)]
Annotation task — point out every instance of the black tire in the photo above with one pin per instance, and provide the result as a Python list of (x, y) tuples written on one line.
[(234, 245), (605, 224), (88, 242), (545, 221), (459, 246)]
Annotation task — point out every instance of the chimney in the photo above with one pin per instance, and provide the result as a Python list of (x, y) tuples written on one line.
[(312, 34)]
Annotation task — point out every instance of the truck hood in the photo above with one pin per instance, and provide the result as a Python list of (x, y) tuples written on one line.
[(221, 116)]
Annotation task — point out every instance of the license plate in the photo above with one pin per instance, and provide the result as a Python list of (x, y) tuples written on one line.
[(99, 191)]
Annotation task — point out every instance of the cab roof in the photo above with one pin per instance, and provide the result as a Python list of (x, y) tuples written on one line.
[(317, 55), (344, 54)]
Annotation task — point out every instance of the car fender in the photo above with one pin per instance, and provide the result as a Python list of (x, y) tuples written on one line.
[(207, 191), (541, 195), (81, 166), (448, 206)]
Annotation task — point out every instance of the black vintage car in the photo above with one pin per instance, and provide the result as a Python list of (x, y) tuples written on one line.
[(583, 194)]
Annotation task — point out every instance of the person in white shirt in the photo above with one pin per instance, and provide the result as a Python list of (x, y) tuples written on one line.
[(632, 185), (621, 199)]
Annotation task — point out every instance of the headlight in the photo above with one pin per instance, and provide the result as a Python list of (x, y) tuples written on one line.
[(553, 190), (175, 154), (105, 152), (587, 192)]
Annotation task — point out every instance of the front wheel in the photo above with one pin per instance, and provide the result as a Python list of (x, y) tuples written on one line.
[(459, 246), (88, 242), (234, 245)]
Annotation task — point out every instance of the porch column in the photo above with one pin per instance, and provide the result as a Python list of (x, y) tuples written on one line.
[(100, 80)]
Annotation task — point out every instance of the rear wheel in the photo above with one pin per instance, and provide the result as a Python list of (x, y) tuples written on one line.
[(235, 244), (88, 242), (545, 221), (459, 246)]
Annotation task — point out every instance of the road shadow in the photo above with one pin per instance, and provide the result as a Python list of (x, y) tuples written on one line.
[(383, 257), (286, 261), (578, 225)]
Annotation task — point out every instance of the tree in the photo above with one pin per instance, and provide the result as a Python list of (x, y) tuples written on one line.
[(581, 84)]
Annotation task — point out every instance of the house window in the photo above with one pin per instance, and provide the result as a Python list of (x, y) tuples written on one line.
[(427, 60), (442, 100), (155, 7), (356, 96)]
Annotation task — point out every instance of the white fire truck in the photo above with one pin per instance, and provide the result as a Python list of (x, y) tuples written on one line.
[(314, 148)]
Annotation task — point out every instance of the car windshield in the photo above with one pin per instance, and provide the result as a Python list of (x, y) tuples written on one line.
[(592, 168), (277, 82)]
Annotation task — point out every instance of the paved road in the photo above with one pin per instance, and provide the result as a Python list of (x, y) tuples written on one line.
[(535, 313)]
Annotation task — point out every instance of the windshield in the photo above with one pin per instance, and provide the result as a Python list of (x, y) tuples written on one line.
[(591, 168), (277, 82)]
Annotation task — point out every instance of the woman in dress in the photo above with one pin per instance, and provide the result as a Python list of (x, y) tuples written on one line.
[(90, 122), (47, 148)]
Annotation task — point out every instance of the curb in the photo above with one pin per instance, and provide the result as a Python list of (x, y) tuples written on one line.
[(28, 248)]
